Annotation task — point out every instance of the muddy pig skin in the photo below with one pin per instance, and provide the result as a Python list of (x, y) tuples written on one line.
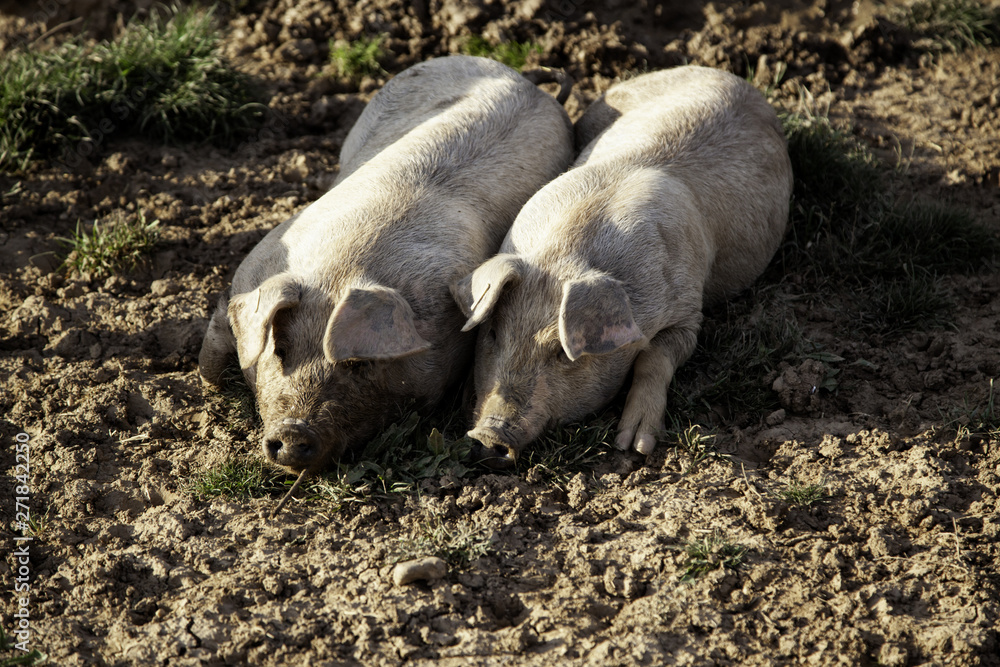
[(342, 314), (679, 196)]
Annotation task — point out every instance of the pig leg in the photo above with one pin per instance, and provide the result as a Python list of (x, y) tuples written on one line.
[(646, 403), (219, 347)]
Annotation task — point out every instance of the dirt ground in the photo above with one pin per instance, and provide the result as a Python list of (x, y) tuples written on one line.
[(899, 567)]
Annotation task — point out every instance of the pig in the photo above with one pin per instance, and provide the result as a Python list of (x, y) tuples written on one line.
[(679, 197), (342, 314)]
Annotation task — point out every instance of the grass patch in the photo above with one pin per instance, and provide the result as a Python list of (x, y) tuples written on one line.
[(804, 495), (512, 54), (360, 58), (9, 646), (697, 445), (740, 344), (569, 449), (846, 225), (114, 245), (709, 553), (241, 477), (979, 418), (897, 305), (950, 25), (848, 235), (14, 190), (839, 188), (162, 78), (396, 462), (458, 543)]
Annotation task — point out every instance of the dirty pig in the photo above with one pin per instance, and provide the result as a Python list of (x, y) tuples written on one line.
[(342, 314), (679, 197)]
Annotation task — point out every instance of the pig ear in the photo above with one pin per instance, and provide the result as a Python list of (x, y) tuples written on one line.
[(252, 314), (372, 323), (477, 293), (595, 317)]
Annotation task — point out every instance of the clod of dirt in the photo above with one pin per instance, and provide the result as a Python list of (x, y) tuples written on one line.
[(421, 569), (798, 386), (164, 287)]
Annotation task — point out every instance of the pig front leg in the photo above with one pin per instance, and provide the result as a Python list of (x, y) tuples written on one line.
[(652, 372)]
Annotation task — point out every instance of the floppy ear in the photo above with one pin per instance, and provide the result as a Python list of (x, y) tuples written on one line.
[(595, 317), (477, 293), (252, 314), (372, 323)]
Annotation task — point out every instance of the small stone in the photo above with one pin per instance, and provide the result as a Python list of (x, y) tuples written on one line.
[(421, 569), (297, 170)]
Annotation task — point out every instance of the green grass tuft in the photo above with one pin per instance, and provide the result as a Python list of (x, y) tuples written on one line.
[(359, 58), (951, 25), (804, 495), (114, 245), (458, 543), (512, 54), (566, 450), (8, 645), (241, 477), (698, 446), (979, 418), (898, 305), (709, 553), (396, 462), (164, 79)]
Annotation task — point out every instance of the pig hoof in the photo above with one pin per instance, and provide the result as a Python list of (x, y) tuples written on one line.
[(645, 443), (498, 457), (623, 442)]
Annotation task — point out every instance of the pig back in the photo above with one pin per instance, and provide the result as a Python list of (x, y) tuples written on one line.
[(718, 135), (449, 88), (444, 155)]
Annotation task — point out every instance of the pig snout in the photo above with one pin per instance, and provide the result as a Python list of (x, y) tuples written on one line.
[(491, 447), (503, 428), (292, 443)]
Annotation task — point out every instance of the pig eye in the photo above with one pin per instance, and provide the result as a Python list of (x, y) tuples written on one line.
[(560, 356), (356, 365), (491, 335)]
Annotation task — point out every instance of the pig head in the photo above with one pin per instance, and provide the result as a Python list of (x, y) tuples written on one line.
[(310, 353), (553, 347)]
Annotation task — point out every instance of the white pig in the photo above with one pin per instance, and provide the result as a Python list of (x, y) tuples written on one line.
[(342, 314), (680, 195)]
